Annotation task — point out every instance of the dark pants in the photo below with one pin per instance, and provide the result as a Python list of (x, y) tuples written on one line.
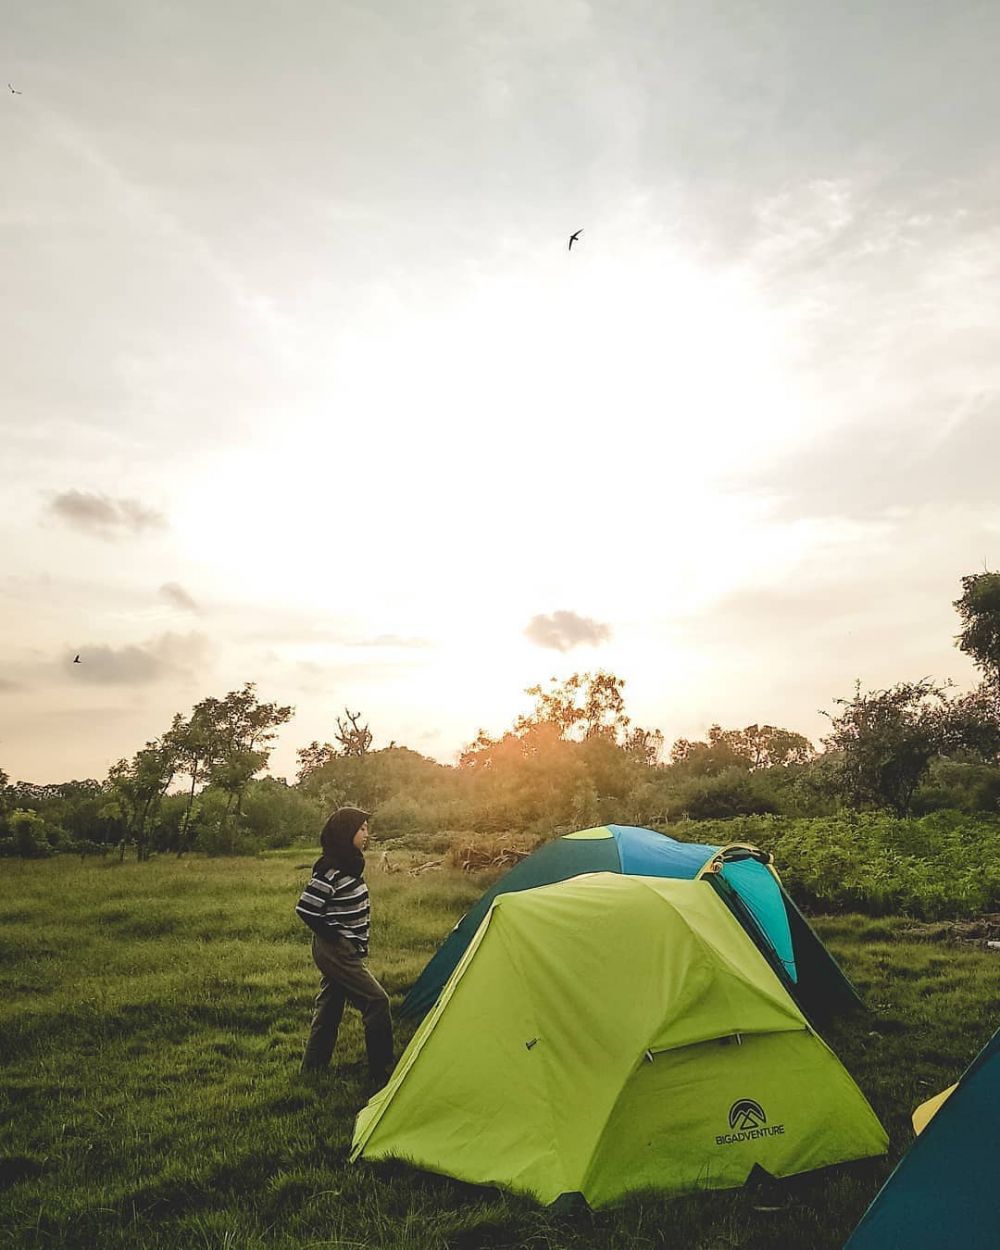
[(346, 979)]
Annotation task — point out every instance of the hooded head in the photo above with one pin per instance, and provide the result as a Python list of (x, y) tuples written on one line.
[(337, 840)]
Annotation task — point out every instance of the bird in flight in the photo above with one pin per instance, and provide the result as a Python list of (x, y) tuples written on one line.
[(574, 238), (14, 90), (77, 660)]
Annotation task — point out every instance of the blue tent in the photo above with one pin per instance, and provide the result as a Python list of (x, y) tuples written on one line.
[(741, 874), (945, 1190)]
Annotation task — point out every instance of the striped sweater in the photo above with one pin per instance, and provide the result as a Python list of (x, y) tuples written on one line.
[(335, 904)]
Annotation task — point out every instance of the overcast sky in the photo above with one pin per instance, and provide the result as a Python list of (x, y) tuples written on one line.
[(300, 384)]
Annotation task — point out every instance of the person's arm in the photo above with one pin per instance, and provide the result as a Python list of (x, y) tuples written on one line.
[(312, 905)]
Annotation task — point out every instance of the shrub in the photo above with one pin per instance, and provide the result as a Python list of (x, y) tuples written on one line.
[(730, 793), (31, 837), (401, 815), (276, 814)]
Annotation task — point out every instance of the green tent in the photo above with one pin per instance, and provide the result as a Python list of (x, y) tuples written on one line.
[(944, 1189), (743, 874), (613, 1033)]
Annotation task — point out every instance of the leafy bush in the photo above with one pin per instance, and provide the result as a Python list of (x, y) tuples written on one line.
[(401, 815), (30, 836), (942, 865), (961, 785), (730, 793), (276, 814)]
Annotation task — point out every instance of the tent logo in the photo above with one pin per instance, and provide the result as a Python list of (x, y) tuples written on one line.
[(748, 1122), (746, 1114)]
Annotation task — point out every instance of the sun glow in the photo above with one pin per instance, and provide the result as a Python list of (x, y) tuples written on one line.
[(518, 439)]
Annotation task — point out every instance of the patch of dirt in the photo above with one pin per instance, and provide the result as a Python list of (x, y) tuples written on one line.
[(976, 932)]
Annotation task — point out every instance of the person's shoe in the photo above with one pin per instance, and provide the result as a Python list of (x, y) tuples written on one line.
[(311, 1071)]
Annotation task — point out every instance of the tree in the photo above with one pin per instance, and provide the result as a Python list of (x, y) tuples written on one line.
[(6, 799), (354, 739), (752, 748), (767, 746), (483, 753), (644, 745), (885, 741), (136, 787), (584, 705), (575, 754), (355, 742), (243, 729), (197, 744), (979, 608), (313, 758), (707, 758)]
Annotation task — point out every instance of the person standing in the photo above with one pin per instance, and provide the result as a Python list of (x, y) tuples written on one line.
[(336, 907)]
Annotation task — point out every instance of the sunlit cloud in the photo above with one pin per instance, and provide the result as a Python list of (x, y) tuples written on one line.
[(562, 631), (138, 664), (175, 594), (391, 640)]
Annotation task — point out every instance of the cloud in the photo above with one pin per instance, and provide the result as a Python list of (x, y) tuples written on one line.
[(865, 472), (10, 687), (390, 640), (106, 517), (889, 302), (175, 594), (561, 631), (169, 655), (768, 619)]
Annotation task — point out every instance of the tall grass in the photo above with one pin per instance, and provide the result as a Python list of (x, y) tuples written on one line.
[(152, 1018)]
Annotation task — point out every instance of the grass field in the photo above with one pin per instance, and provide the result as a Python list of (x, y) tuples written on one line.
[(152, 1018)]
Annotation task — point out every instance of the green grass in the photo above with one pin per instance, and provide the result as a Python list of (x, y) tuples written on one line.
[(152, 1018)]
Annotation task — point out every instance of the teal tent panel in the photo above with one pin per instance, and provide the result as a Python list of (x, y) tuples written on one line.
[(557, 860), (944, 1191), (648, 854), (756, 886)]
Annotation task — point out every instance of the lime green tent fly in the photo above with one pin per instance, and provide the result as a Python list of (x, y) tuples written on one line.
[(614, 1033)]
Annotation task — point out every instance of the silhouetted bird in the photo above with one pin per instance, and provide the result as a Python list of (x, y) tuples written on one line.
[(77, 660), (14, 91), (573, 238)]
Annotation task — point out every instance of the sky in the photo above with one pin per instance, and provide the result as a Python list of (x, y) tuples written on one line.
[(300, 383)]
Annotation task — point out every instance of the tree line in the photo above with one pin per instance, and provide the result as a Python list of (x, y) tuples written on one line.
[(575, 760)]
